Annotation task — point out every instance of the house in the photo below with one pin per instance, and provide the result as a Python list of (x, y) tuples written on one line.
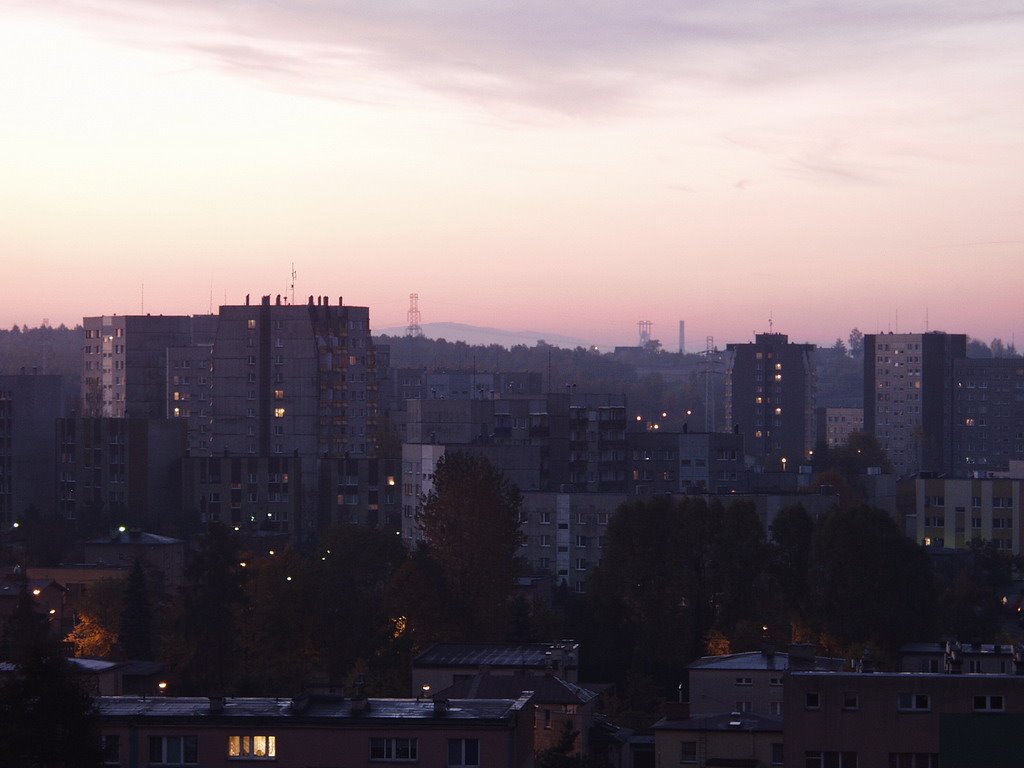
[(444, 664)]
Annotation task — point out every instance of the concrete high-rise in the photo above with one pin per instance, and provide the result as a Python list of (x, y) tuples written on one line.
[(908, 397), (770, 398), (124, 371)]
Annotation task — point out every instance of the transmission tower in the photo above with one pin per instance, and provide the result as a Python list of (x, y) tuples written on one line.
[(413, 328)]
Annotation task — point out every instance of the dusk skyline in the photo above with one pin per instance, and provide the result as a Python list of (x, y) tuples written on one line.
[(568, 168)]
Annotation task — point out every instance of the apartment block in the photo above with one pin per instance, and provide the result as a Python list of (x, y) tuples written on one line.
[(908, 397), (124, 369), (120, 471), (953, 512), (835, 425), (770, 399), (988, 414), (30, 405)]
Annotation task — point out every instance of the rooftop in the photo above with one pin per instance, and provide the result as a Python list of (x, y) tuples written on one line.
[(535, 655), (761, 660), (136, 537), (547, 689), (735, 721), (334, 708)]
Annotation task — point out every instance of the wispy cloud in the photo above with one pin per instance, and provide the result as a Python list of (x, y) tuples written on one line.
[(570, 56)]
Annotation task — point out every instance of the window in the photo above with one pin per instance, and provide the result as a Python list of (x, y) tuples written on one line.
[(688, 752), (110, 747), (463, 752), (851, 701), (744, 706), (251, 324), (279, 413), (830, 759), (812, 700), (545, 518), (581, 541), (545, 540), (252, 746), (744, 681), (988, 704), (775, 681), (173, 750), (913, 760), (397, 748), (581, 564), (777, 754), (914, 702), (775, 708)]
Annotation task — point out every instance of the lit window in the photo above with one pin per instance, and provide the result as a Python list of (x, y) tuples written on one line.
[(279, 394), (778, 411), (177, 396), (252, 324), (252, 746), (279, 413), (177, 412)]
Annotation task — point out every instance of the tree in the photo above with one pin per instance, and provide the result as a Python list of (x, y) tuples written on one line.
[(792, 534), (46, 717), (99, 619), (856, 343), (136, 615), (471, 524), (208, 624), (869, 583)]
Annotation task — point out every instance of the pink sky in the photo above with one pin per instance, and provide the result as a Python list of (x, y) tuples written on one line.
[(565, 167)]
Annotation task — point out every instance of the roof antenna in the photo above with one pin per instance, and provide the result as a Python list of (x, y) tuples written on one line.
[(294, 275)]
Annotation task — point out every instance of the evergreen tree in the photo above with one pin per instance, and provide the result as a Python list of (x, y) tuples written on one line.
[(136, 615), (471, 524), (46, 717)]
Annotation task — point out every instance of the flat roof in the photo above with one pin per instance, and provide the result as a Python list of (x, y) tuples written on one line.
[(758, 660), (740, 722), (493, 655), (334, 708)]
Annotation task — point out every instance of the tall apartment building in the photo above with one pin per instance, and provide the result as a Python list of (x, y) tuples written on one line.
[(770, 393), (30, 405), (952, 512), (988, 414), (125, 361), (908, 397)]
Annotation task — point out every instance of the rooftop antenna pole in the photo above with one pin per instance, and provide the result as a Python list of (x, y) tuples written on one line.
[(294, 275)]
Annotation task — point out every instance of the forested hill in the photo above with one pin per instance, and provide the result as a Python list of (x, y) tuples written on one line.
[(42, 350)]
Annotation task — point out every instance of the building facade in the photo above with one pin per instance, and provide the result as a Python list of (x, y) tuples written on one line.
[(770, 398), (908, 397), (988, 414), (835, 425)]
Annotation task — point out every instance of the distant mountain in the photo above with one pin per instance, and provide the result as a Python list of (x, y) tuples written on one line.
[(472, 334)]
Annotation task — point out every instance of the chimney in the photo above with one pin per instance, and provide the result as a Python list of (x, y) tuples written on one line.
[(440, 706)]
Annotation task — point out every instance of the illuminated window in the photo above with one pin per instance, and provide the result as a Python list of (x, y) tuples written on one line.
[(177, 396), (252, 324), (279, 394), (177, 412), (279, 413), (252, 746), (759, 400), (778, 377), (778, 411), (778, 366)]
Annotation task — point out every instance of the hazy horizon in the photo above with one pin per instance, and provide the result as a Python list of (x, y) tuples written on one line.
[(572, 167)]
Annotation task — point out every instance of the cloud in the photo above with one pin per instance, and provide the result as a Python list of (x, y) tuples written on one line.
[(570, 56)]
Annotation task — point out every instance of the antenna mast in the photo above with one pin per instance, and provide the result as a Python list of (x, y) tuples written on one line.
[(294, 275)]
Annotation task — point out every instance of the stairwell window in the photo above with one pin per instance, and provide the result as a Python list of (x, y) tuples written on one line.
[(688, 752), (253, 747)]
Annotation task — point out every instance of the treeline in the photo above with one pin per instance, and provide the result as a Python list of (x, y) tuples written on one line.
[(678, 579)]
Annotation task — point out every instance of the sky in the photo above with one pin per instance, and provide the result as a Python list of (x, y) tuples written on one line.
[(570, 167)]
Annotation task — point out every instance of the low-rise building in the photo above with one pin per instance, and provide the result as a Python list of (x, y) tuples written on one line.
[(906, 720), (444, 664), (139, 731)]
